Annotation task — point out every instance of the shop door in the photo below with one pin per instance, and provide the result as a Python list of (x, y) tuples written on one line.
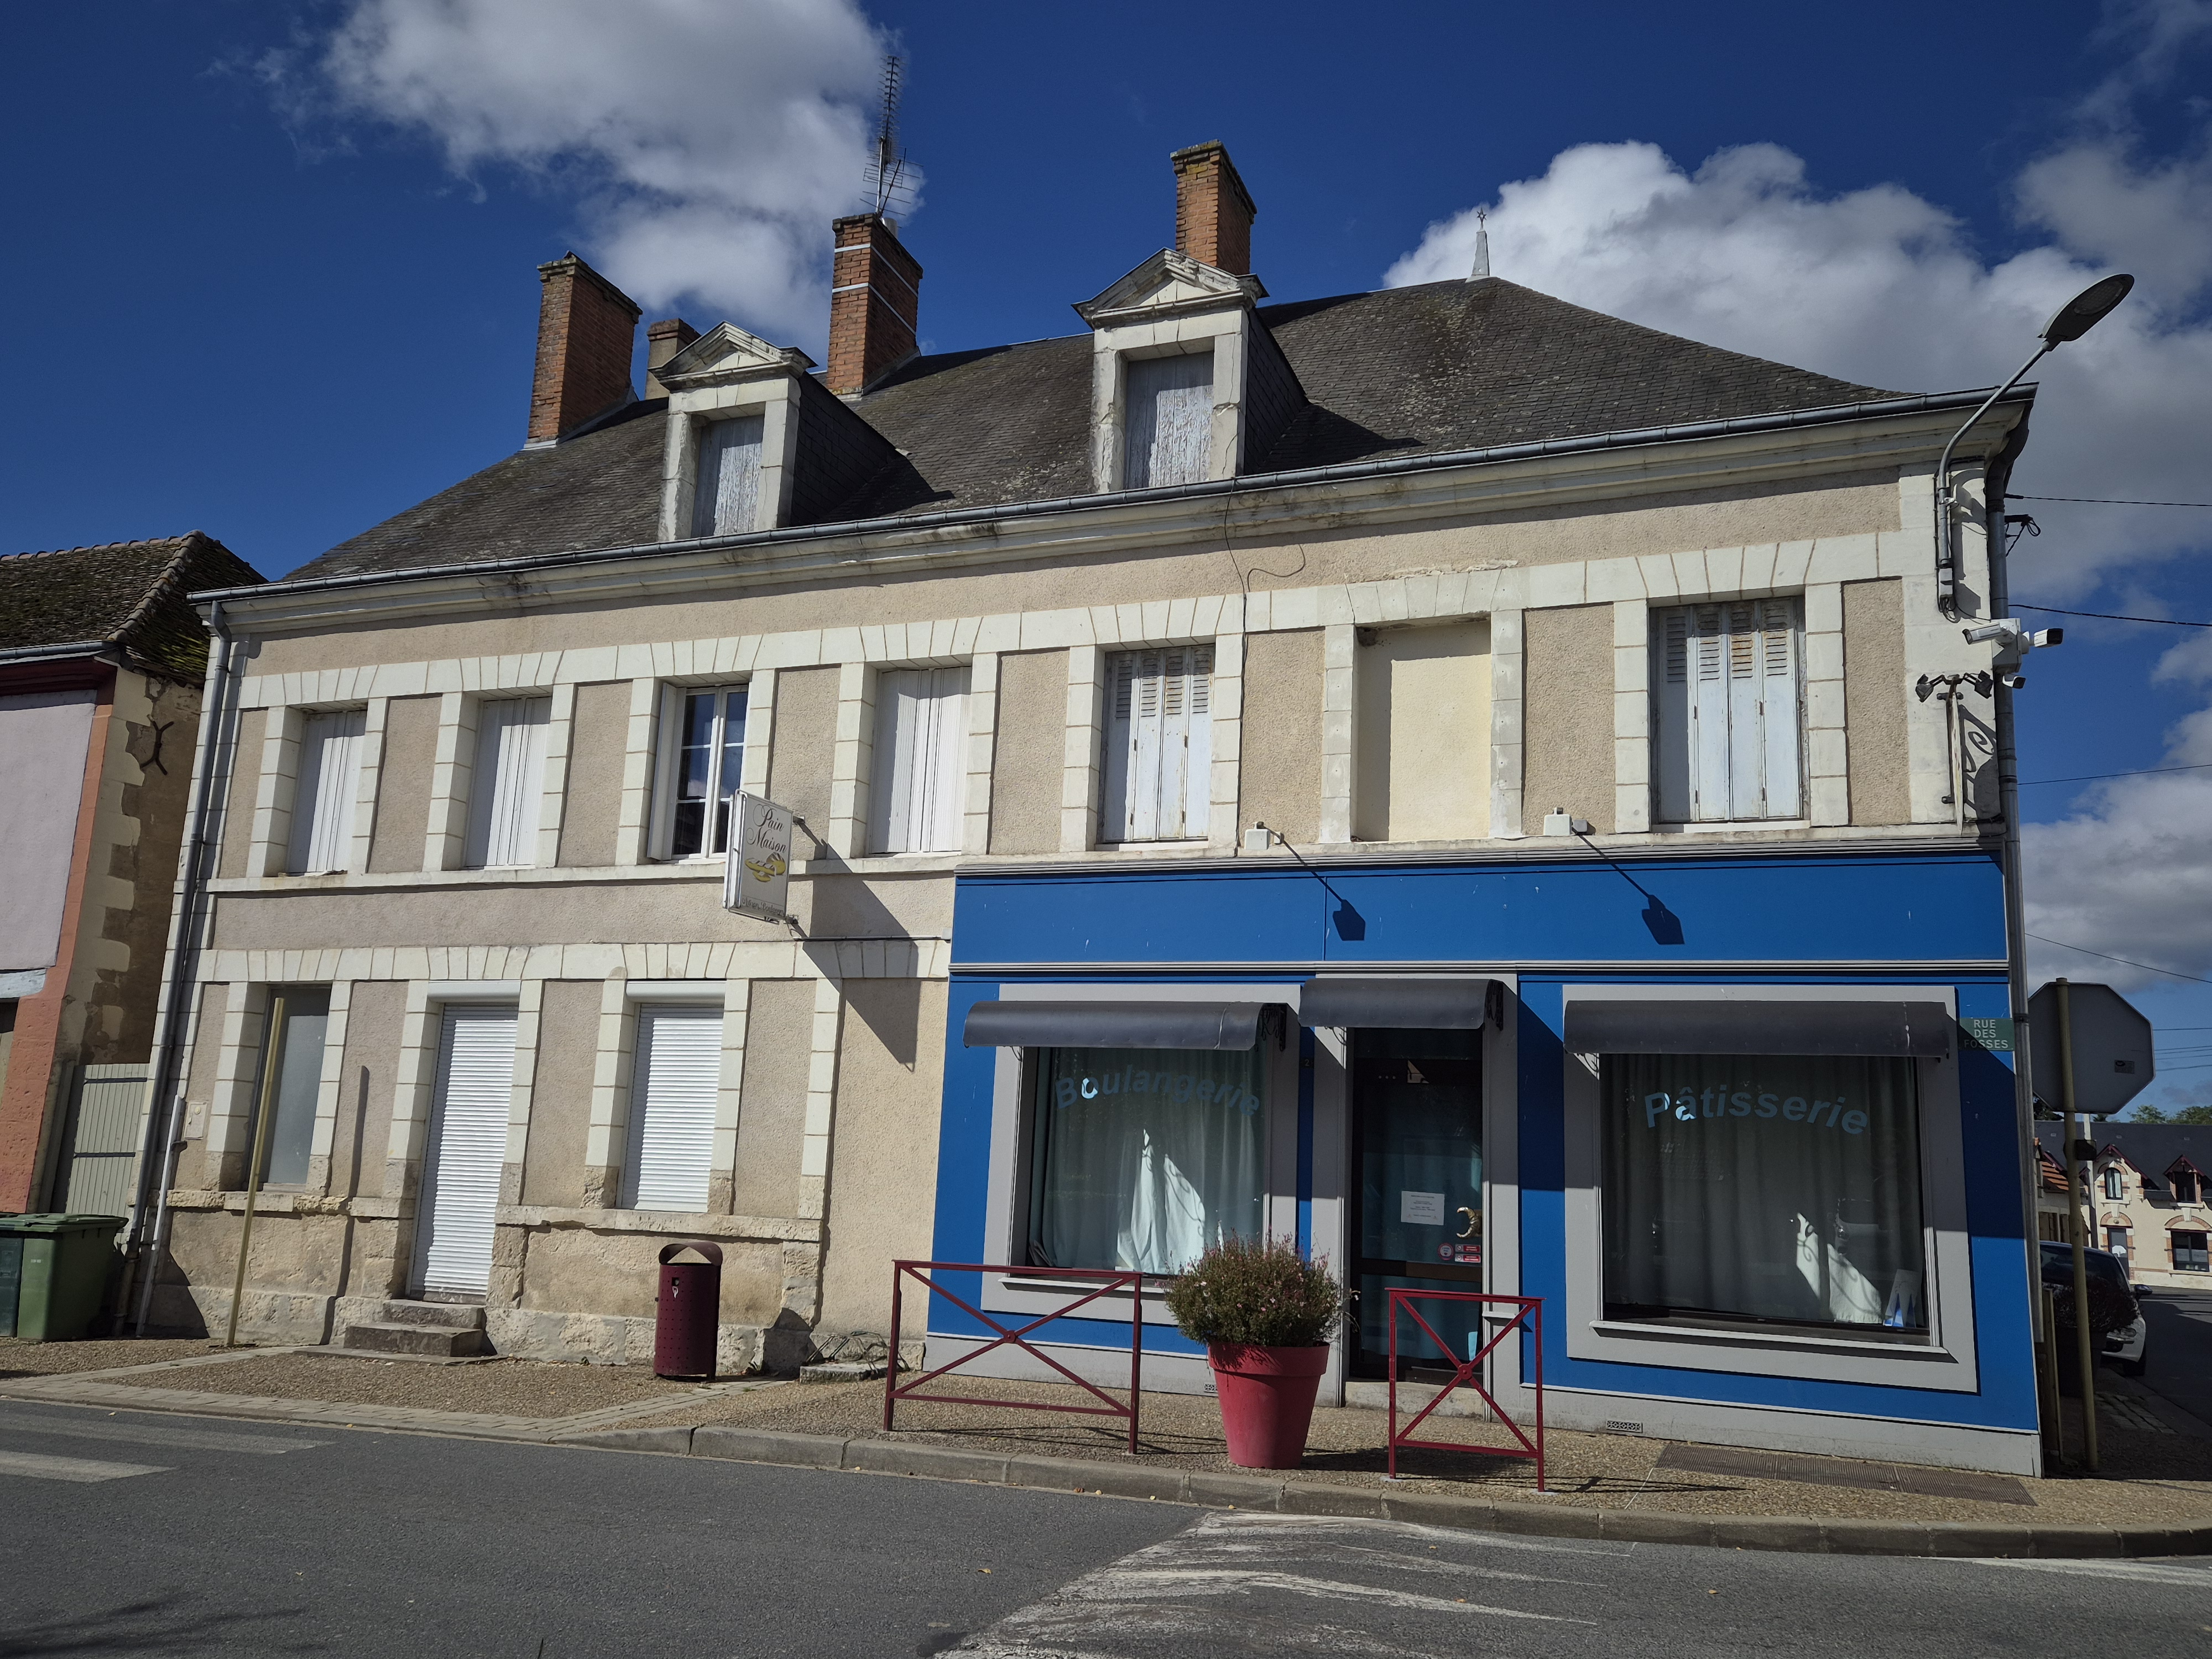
[(1417, 1208), (468, 1144)]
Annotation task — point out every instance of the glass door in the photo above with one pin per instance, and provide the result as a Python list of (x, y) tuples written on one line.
[(1417, 1212)]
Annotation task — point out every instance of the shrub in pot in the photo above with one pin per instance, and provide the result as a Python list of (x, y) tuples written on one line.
[(1266, 1314)]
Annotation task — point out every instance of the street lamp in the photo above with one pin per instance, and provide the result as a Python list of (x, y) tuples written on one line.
[(2070, 322)]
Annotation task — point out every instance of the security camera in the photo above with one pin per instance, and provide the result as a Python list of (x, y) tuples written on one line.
[(2012, 682), (2006, 630), (2044, 636)]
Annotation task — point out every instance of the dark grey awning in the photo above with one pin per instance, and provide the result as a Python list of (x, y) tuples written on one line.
[(1433, 1004), (1112, 1025), (1753, 1027)]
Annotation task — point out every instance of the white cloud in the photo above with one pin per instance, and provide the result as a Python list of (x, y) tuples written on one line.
[(710, 141)]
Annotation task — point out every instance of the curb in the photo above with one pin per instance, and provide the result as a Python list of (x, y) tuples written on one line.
[(1803, 1533)]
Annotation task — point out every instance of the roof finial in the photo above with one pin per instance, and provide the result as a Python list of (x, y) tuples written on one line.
[(1481, 246)]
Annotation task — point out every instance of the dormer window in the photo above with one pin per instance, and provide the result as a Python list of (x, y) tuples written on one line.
[(725, 500), (1168, 430)]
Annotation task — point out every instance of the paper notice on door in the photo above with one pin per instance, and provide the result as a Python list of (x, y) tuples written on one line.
[(1421, 1209)]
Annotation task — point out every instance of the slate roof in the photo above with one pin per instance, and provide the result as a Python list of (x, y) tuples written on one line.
[(2151, 1149), (130, 594), (1401, 372)]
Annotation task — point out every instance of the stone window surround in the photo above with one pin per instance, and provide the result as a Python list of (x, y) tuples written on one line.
[(649, 758), (275, 791), (228, 1125), (770, 393), (1083, 758), (1225, 333), (453, 778), (1503, 594)]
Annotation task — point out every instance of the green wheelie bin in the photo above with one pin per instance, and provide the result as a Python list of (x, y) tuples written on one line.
[(54, 1272)]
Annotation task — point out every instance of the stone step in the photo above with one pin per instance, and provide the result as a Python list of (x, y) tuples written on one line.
[(442, 1342), (443, 1315)]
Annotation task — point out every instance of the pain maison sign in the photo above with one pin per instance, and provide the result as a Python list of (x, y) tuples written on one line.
[(757, 880)]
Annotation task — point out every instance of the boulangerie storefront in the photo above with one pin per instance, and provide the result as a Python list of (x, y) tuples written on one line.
[(1766, 1184)]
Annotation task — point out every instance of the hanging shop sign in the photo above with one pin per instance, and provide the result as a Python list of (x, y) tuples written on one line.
[(757, 880)]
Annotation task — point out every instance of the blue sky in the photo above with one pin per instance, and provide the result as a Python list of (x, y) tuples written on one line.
[(272, 273)]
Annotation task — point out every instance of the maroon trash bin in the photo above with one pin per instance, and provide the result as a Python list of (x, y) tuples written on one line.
[(688, 1312)]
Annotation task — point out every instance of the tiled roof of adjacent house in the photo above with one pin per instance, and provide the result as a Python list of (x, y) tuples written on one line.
[(2151, 1148), (130, 594), (1401, 372)]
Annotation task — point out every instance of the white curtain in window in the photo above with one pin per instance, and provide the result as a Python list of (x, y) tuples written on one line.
[(1763, 1186), (1159, 744), (1142, 1158), (675, 1080), (1726, 719), (1168, 435), (921, 727), (323, 793), (725, 500), (510, 777)]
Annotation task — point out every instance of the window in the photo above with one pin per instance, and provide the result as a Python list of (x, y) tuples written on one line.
[(1159, 744), (2186, 1182), (323, 795), (674, 1083), (2116, 1241), (1762, 1189), (1141, 1157), (295, 1044), (921, 727), (510, 777), (1725, 714), (1168, 437), (2114, 1185), (705, 764), (2189, 1253), (725, 500)]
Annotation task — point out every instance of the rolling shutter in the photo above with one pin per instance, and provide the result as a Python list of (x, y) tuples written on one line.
[(674, 1085), (922, 721), (1169, 434), (468, 1144), (1726, 715), (323, 797), (726, 498), (510, 776), (1159, 744)]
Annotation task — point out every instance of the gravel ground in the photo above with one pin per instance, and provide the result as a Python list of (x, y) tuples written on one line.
[(54, 1359), (500, 1387), (2150, 1479)]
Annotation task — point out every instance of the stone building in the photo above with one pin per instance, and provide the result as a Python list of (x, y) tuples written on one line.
[(2148, 1202), (101, 659), (1324, 768)]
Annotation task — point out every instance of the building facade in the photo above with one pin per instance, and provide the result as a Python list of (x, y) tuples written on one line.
[(1438, 773), (2147, 1201)]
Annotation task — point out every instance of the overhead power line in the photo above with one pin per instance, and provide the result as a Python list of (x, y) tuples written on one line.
[(2105, 501), (2147, 967), (2106, 616), (2093, 777)]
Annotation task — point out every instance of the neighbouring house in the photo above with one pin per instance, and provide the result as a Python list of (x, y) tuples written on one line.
[(101, 659), (2148, 1201), (1463, 781)]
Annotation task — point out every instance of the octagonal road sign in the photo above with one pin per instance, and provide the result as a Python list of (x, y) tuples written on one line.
[(2111, 1047)]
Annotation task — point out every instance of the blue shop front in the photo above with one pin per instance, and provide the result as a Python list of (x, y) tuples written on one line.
[(1719, 1109)]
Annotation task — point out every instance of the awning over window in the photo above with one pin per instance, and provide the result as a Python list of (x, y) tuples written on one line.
[(1748, 1027), (1432, 1003), (1112, 1025)]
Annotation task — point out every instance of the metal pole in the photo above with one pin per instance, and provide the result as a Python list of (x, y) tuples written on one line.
[(274, 1049), (2085, 1342), (2046, 1371), (1136, 1354), (1947, 567), (1393, 1296), (891, 1372)]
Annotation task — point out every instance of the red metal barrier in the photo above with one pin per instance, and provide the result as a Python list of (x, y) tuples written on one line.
[(1108, 1283), (1530, 1312)]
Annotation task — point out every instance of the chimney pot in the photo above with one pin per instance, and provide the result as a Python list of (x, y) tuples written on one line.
[(663, 340), (1213, 210), (875, 303), (587, 330)]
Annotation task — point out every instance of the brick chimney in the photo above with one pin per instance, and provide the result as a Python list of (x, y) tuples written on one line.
[(587, 328), (875, 303), (663, 340), (1213, 210)]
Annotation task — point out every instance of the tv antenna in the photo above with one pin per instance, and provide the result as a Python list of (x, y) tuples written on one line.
[(886, 170)]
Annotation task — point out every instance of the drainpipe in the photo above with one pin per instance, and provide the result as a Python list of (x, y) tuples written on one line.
[(164, 1100)]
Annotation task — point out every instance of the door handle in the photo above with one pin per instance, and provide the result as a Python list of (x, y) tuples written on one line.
[(1473, 1220)]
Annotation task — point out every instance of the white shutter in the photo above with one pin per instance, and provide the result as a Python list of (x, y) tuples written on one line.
[(468, 1144), (322, 794), (1168, 412), (1159, 743), (510, 777), (1725, 712), (674, 1083), (725, 500), (922, 721)]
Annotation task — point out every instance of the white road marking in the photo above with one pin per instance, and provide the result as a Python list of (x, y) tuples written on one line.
[(150, 1434), (36, 1466), (1125, 1583), (2140, 1572)]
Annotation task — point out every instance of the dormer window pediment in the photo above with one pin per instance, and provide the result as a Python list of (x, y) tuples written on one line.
[(1169, 284)]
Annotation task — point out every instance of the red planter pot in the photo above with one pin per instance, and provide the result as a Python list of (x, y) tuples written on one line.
[(1267, 1400)]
